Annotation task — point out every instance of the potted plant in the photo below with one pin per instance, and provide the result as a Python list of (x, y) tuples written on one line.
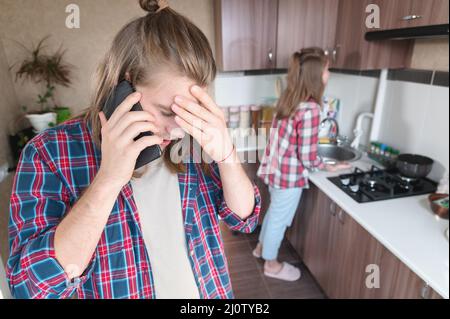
[(49, 71)]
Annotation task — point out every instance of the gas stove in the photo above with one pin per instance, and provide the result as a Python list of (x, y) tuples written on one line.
[(378, 184)]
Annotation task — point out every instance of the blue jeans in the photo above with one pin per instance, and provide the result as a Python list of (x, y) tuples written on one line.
[(279, 216)]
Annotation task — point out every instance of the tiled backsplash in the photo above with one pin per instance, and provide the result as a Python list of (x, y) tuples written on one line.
[(415, 120)]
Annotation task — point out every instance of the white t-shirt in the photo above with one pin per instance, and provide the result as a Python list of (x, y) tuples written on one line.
[(158, 200)]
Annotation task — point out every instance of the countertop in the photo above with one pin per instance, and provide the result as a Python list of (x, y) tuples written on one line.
[(407, 227)]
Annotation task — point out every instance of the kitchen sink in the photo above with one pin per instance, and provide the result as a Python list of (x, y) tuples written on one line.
[(331, 153)]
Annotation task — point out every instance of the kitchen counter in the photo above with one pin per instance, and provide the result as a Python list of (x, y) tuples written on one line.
[(407, 227)]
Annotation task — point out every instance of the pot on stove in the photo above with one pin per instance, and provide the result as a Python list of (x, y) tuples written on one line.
[(414, 166)]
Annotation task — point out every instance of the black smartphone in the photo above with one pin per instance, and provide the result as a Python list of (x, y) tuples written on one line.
[(124, 89)]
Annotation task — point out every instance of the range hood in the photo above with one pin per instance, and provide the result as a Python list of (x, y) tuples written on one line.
[(432, 31)]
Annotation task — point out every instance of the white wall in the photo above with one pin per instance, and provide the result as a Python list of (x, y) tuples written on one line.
[(234, 89), (416, 117), (356, 93), (417, 121)]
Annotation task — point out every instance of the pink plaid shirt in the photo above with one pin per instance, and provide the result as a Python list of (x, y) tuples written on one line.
[(292, 149)]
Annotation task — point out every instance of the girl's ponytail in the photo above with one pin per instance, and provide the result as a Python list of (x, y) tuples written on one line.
[(304, 80)]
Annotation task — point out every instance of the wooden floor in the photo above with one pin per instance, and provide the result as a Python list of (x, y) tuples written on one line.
[(247, 275)]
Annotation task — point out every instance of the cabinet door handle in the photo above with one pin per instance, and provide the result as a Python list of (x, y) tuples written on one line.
[(412, 17), (425, 293), (270, 55), (333, 209), (334, 56), (341, 217), (335, 52)]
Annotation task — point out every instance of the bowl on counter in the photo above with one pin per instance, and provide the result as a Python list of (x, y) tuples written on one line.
[(437, 204)]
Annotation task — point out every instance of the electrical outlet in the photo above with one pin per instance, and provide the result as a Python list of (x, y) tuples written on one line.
[(3, 172)]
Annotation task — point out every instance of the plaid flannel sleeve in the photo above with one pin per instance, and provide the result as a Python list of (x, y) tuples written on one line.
[(233, 221), (37, 205), (308, 139)]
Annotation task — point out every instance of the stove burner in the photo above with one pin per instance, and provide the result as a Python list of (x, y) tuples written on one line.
[(354, 188), (345, 181), (408, 180), (372, 183), (406, 185), (377, 184)]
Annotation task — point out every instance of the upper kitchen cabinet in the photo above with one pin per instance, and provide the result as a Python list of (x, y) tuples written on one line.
[(354, 52), (396, 14), (392, 12), (305, 23), (263, 34), (429, 12), (246, 34)]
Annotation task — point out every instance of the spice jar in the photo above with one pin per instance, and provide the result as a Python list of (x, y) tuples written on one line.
[(267, 119), (256, 117), (245, 118), (234, 118)]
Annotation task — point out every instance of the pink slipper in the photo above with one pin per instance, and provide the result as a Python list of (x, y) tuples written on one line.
[(287, 273), (255, 254)]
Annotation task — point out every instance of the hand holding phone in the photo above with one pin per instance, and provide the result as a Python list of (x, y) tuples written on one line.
[(121, 92), (121, 146)]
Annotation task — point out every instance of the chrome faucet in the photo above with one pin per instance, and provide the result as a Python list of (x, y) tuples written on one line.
[(336, 126)]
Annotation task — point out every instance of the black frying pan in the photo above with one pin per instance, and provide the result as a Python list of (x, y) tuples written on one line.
[(414, 166)]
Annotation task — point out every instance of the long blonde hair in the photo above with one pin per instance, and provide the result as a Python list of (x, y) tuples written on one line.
[(163, 40), (304, 81)]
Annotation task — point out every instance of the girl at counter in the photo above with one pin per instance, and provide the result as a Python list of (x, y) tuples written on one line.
[(292, 152)]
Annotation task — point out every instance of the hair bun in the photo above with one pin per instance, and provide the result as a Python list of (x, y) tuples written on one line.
[(150, 6)]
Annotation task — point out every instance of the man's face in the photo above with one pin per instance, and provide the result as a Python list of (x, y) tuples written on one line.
[(158, 99)]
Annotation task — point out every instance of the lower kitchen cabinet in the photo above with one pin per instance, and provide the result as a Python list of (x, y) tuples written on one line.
[(409, 286), (313, 231), (341, 254), (345, 259)]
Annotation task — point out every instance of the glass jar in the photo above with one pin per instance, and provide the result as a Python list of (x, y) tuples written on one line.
[(256, 117), (245, 117), (234, 118)]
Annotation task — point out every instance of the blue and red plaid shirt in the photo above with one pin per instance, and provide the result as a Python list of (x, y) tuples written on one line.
[(54, 170), (292, 148)]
